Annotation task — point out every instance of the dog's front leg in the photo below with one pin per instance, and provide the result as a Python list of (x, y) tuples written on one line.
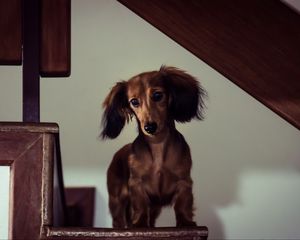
[(139, 204), (184, 204)]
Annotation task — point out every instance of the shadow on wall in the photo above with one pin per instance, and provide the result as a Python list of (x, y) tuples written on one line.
[(244, 145), (102, 211)]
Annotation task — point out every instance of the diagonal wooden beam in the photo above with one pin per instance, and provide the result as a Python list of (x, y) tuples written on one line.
[(254, 43)]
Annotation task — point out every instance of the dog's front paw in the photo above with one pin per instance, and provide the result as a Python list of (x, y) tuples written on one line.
[(141, 223)]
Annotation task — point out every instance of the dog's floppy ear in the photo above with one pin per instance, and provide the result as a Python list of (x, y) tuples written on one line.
[(116, 111), (186, 94)]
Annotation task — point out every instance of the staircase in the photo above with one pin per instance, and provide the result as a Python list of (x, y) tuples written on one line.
[(254, 43)]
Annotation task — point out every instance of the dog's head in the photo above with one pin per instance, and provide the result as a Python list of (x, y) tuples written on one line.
[(156, 99)]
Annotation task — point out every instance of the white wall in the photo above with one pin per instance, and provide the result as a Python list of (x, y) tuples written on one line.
[(4, 201), (246, 158)]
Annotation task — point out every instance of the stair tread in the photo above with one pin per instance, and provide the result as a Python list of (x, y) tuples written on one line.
[(200, 232)]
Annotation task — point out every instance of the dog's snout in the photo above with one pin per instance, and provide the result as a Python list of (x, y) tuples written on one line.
[(150, 127)]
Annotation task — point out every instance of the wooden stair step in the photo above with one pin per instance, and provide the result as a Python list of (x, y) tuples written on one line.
[(192, 233)]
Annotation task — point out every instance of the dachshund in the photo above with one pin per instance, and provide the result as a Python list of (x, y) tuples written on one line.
[(154, 170)]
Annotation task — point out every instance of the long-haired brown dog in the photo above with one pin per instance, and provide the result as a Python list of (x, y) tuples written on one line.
[(154, 170)]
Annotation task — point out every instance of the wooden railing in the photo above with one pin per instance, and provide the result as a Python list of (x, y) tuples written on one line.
[(37, 201)]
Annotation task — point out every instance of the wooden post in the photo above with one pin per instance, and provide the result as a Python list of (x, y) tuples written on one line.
[(31, 75)]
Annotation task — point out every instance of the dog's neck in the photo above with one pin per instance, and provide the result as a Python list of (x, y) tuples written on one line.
[(159, 138), (157, 147)]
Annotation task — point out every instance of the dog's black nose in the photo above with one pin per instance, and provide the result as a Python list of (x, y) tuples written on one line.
[(150, 127)]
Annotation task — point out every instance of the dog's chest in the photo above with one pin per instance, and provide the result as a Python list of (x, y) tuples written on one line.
[(158, 154), (159, 173), (154, 168)]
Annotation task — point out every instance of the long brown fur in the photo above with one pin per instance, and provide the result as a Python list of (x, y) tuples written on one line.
[(154, 170)]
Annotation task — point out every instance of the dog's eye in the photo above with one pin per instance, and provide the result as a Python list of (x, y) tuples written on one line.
[(134, 102), (157, 96)]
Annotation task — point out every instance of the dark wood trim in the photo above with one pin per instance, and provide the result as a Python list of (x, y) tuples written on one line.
[(10, 32), (254, 43), (55, 38), (29, 127), (31, 74), (60, 213)]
